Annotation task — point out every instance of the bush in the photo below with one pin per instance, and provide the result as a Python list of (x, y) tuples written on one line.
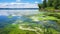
[(58, 7), (49, 9)]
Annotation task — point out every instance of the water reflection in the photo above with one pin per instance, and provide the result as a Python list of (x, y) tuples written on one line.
[(10, 16), (18, 12)]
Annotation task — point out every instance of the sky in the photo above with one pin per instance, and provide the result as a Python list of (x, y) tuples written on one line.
[(19, 3)]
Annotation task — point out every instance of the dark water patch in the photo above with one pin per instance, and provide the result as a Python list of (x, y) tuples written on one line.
[(4, 20), (19, 8)]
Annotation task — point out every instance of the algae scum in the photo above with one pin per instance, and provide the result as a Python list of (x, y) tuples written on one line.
[(34, 23)]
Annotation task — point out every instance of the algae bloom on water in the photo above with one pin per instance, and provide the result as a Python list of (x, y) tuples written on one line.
[(10, 16)]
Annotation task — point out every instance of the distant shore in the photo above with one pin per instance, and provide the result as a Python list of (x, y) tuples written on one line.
[(19, 8)]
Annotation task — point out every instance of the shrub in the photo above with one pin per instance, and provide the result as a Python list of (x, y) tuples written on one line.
[(50, 9), (58, 7)]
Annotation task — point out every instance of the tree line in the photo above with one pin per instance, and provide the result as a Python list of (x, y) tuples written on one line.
[(50, 3)]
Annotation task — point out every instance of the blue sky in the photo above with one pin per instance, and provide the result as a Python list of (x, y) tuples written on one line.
[(21, 1)]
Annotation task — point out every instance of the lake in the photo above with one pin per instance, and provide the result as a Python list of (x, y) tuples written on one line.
[(11, 16), (18, 12), (4, 20)]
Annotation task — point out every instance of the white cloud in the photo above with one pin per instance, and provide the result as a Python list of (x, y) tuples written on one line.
[(36, 2), (42, 0), (18, 5), (18, 0)]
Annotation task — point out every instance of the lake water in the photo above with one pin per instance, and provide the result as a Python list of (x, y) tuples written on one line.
[(4, 20), (19, 14)]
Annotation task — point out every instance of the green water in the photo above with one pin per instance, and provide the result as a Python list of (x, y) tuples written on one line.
[(38, 23)]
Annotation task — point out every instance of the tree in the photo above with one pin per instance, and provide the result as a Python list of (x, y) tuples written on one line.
[(56, 4), (40, 6), (44, 4), (50, 3)]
